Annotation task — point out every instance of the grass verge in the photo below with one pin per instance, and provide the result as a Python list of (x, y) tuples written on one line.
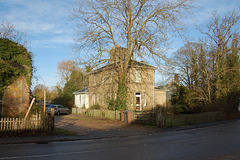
[(37, 132)]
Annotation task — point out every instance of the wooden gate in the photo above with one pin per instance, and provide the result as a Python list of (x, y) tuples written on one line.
[(145, 117)]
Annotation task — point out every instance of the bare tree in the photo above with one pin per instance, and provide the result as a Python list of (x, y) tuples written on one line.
[(9, 31), (65, 69), (210, 69), (222, 32), (141, 26), (142, 29)]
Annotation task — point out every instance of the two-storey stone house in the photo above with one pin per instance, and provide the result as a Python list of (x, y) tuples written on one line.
[(103, 85)]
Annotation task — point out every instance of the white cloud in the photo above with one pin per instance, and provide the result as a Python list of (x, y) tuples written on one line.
[(38, 16), (204, 9), (62, 40), (52, 42)]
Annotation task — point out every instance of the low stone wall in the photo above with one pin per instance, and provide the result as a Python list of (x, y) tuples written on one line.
[(114, 115), (78, 111)]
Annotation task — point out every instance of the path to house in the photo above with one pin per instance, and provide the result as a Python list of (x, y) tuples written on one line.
[(99, 127)]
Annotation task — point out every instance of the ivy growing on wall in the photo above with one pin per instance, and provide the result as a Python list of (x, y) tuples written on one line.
[(15, 61), (120, 102)]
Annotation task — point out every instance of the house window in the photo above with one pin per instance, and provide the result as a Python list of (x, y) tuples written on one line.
[(145, 99), (111, 79), (138, 76), (80, 100), (132, 95), (94, 80), (138, 102), (102, 80), (94, 99), (83, 99)]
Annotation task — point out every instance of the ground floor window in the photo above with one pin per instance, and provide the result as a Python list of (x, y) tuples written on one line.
[(138, 101), (94, 99), (145, 99)]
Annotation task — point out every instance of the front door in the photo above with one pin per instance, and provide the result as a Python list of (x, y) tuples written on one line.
[(138, 102)]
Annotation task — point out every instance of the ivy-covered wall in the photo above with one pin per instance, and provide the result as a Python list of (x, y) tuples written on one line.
[(15, 77)]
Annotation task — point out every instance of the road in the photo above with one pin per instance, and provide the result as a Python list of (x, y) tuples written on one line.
[(204, 143)]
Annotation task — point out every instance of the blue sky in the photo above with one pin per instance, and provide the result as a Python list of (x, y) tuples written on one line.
[(50, 35)]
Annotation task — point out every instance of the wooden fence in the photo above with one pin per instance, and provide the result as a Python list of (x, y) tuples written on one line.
[(166, 121), (145, 117), (34, 122), (155, 118)]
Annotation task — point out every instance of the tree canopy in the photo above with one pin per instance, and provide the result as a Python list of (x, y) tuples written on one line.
[(15, 61), (210, 68)]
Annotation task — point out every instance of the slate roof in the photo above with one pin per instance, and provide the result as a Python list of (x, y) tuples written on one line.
[(84, 90), (132, 63)]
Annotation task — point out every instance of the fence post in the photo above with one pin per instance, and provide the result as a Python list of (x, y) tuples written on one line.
[(7, 123), (1, 123), (11, 123), (158, 119), (52, 119)]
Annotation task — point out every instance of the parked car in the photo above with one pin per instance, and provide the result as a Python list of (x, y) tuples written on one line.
[(48, 109), (59, 109)]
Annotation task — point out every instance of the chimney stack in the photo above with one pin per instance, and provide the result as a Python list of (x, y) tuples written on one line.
[(176, 79)]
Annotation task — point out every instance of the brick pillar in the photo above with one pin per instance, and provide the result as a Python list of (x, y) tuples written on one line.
[(129, 117), (122, 116)]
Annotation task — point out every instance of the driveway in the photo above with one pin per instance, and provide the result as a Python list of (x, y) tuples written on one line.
[(85, 125)]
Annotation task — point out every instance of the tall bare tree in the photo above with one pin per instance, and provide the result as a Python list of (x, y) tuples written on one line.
[(141, 26), (222, 32), (211, 68)]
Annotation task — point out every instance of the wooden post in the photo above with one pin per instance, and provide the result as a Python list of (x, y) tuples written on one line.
[(44, 101), (52, 119), (44, 108), (158, 119), (7, 123), (29, 108), (1, 123)]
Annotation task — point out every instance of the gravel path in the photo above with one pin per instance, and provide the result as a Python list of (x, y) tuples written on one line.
[(83, 125)]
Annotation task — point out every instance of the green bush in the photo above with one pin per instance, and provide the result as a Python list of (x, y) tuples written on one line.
[(83, 107), (74, 106), (111, 104), (37, 108), (95, 106), (177, 109)]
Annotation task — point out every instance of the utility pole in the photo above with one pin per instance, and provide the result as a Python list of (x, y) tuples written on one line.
[(44, 108)]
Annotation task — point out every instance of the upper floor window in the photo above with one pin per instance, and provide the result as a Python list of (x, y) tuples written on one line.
[(138, 76), (94, 80), (94, 99)]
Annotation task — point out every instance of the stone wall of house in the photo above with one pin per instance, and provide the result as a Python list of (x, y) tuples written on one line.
[(16, 98), (103, 85), (160, 97), (143, 88)]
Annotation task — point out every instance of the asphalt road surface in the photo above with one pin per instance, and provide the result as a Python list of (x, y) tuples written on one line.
[(216, 142)]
